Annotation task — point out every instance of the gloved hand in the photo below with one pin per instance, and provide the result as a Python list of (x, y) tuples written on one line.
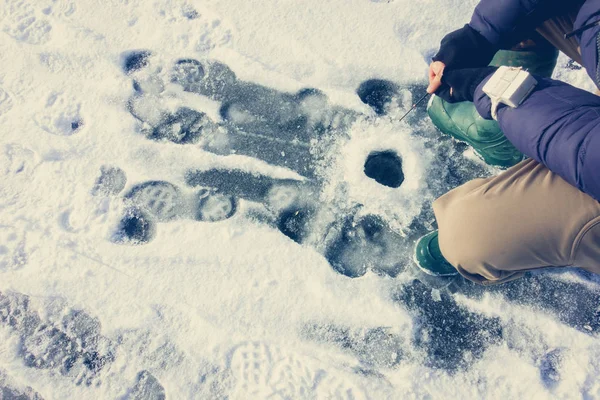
[(463, 48), (460, 84)]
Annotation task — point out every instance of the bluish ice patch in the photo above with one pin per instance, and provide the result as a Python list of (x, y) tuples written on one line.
[(11, 390), (261, 122), (147, 387), (550, 368), (189, 12), (241, 184), (451, 336), (255, 108), (57, 350), (295, 223), (15, 312), (135, 60), (135, 227), (9, 393), (185, 126), (573, 303), (375, 348), (281, 129), (367, 243), (378, 94), (211, 79), (257, 121), (75, 125), (288, 199)]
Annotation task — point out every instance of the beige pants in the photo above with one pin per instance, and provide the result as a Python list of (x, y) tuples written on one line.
[(526, 218)]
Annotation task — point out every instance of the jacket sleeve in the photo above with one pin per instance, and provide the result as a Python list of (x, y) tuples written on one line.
[(507, 22), (559, 126)]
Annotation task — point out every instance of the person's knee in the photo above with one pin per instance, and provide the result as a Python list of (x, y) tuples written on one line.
[(462, 247), (463, 240)]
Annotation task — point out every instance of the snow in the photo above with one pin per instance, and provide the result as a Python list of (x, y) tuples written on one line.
[(235, 309)]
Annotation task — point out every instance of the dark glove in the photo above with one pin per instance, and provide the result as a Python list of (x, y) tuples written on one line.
[(460, 84), (465, 48)]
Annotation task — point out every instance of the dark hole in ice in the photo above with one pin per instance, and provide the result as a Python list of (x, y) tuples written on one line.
[(378, 94), (136, 227), (136, 60), (294, 223), (76, 125), (385, 167)]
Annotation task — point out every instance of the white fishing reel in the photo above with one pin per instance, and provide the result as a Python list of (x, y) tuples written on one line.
[(510, 86)]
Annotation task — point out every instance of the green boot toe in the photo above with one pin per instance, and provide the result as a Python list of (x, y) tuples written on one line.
[(429, 258)]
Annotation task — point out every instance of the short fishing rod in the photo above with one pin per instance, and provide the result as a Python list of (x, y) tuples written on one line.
[(414, 106)]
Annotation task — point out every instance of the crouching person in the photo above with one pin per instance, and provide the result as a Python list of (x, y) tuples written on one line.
[(544, 211)]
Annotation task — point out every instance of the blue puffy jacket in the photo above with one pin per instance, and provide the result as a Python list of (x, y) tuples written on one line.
[(558, 124)]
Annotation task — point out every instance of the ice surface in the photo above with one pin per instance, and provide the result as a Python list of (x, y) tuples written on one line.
[(110, 182), (10, 391), (147, 388), (185, 212)]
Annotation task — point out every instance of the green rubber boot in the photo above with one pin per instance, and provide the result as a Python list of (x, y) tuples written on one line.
[(429, 258), (462, 122)]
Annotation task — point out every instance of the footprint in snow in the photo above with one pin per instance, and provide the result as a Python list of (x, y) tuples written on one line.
[(5, 102), (25, 23), (205, 29), (262, 371), (17, 165), (61, 8), (12, 248), (72, 344), (112, 181), (151, 202), (163, 200), (61, 115), (18, 161)]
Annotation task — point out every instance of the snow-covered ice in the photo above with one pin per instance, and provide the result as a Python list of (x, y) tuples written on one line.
[(184, 211)]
